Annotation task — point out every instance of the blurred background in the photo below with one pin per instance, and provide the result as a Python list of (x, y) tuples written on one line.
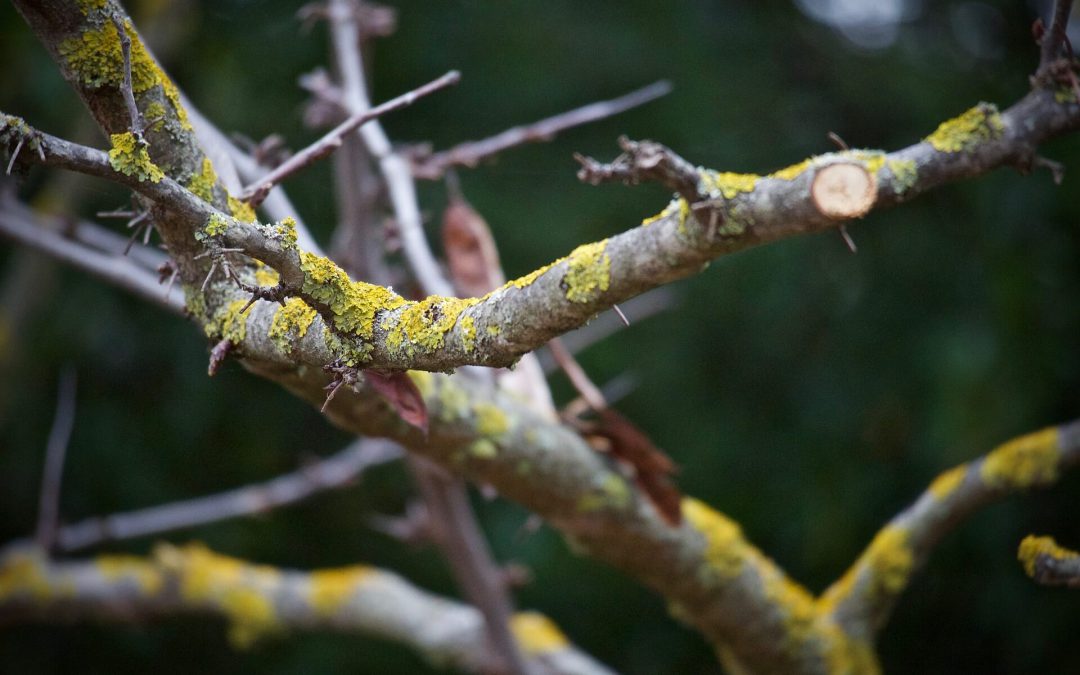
[(807, 392)]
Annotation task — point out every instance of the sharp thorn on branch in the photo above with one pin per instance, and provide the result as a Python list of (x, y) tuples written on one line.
[(14, 156), (218, 355)]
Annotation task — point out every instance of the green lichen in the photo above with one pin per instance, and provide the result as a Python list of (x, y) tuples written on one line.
[(354, 304), (968, 130), (216, 225), (904, 172), (483, 449), (129, 157), (422, 326), (155, 115), (96, 59), (285, 232), (611, 492), (588, 272), (291, 322), (491, 421), (15, 130), (202, 183)]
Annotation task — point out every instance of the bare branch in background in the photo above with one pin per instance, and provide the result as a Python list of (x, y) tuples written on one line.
[(335, 472), (255, 194), (470, 154), (55, 452)]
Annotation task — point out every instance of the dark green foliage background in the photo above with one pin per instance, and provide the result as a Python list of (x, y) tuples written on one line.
[(807, 392)]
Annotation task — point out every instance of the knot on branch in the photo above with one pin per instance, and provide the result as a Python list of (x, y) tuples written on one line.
[(644, 161)]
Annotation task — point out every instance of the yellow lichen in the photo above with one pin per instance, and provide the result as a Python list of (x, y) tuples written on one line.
[(129, 157), (354, 304), (285, 232), (794, 602), (250, 613), (536, 634), (669, 210), (726, 184), (1024, 462), (243, 592), (87, 6), (266, 275), (145, 575), (890, 559), (588, 272), (1032, 547), (23, 572), (293, 318), (794, 171), (904, 172), (155, 115), (242, 211), (493, 330), (522, 282), (202, 183), (216, 225), (96, 59), (844, 654), (422, 326), (611, 492), (978, 124), (725, 548), (946, 483), (490, 420), (229, 322), (468, 333), (330, 589)]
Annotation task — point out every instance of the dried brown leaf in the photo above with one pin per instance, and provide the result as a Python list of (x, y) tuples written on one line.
[(401, 393), (470, 249), (652, 467)]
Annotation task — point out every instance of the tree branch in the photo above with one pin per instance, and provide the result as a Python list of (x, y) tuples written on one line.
[(471, 153), (255, 194), (55, 451), (259, 602), (863, 598), (1049, 564), (332, 473)]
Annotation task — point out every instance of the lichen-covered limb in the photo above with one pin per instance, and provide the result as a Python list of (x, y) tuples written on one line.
[(862, 599), (263, 602), (1048, 563), (374, 327)]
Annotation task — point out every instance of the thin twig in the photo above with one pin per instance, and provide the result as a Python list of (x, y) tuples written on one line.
[(55, 451), (255, 194), (644, 161), (137, 126), (471, 153), (577, 376), (332, 473), (14, 156)]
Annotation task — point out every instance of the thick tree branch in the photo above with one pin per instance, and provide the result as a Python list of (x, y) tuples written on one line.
[(260, 602), (862, 600)]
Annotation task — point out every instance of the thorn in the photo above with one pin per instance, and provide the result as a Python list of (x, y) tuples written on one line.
[(213, 268), (14, 155), (835, 138), (626, 322), (848, 240)]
